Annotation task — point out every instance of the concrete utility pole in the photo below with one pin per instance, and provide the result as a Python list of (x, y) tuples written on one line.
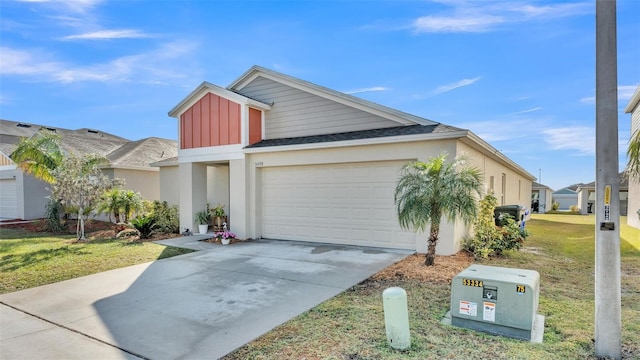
[(608, 327)]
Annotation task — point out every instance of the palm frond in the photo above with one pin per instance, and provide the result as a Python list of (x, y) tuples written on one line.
[(633, 155)]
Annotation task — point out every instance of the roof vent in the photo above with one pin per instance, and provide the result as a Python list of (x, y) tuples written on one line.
[(23, 125), (92, 131), (51, 129)]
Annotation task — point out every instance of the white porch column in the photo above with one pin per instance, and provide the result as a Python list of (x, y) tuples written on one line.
[(193, 193), (583, 201), (238, 198)]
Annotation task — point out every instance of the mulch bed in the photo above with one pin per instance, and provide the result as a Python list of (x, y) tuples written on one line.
[(413, 268), (93, 229)]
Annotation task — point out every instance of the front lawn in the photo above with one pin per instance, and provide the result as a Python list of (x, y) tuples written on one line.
[(561, 249), (29, 259)]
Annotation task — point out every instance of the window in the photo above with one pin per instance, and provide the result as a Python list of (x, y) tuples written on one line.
[(491, 182), (519, 189), (503, 194)]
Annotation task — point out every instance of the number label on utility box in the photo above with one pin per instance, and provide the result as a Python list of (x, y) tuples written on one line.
[(472, 282), (521, 289)]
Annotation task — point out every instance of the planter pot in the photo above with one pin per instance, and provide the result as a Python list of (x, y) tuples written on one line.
[(225, 241), (203, 228)]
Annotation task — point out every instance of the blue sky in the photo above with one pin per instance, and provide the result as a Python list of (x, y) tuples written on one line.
[(521, 74)]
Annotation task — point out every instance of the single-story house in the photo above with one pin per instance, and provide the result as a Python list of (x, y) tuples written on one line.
[(22, 196), (587, 195), (633, 203), (293, 160), (566, 197), (540, 198)]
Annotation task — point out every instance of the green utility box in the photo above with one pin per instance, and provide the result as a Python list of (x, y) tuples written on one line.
[(499, 301), (516, 212)]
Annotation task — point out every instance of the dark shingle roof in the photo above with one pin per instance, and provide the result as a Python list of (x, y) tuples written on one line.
[(118, 150), (358, 135)]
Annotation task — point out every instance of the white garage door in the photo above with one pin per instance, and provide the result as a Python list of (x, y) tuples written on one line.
[(8, 199), (338, 203)]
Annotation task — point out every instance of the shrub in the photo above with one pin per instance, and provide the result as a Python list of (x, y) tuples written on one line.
[(166, 217), (127, 233), (511, 236), (574, 208), (146, 225), (489, 239), (555, 206), (485, 231)]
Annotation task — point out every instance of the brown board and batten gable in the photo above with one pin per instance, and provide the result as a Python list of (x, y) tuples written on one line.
[(214, 116), (300, 108), (211, 121)]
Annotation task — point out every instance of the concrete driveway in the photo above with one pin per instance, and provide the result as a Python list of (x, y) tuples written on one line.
[(195, 306)]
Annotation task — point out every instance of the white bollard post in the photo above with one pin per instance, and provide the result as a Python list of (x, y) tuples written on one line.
[(396, 318)]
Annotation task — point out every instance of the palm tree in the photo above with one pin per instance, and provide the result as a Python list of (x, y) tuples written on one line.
[(633, 153), (39, 155), (428, 190)]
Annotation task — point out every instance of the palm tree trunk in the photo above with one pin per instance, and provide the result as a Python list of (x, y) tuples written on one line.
[(80, 231), (433, 241)]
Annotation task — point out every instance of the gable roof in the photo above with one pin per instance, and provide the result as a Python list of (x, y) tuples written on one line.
[(566, 191), (398, 116), (538, 186), (623, 182), (207, 87), (120, 152)]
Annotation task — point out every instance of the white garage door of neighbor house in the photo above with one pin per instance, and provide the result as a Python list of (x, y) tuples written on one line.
[(338, 203), (8, 199)]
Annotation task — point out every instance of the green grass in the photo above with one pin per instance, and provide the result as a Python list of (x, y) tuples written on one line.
[(561, 249), (33, 259)]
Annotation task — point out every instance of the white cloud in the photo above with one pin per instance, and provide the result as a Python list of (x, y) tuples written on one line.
[(368, 89), (482, 16), (108, 34), (626, 91), (77, 6), (528, 110), (455, 85), (477, 23), (588, 100), (19, 62), (580, 138), (500, 130), (156, 66)]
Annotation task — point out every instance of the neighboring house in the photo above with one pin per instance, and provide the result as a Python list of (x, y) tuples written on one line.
[(587, 196), (541, 196), (293, 160), (633, 205), (22, 196), (566, 197)]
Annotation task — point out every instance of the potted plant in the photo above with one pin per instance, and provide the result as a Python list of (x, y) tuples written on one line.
[(219, 217), (202, 217), (225, 237)]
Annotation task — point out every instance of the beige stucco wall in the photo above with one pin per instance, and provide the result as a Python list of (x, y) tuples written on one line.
[(147, 182), (245, 189), (169, 185)]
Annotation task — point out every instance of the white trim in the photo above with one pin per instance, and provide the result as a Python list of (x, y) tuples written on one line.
[(206, 88), (358, 142), (633, 102), (244, 125), (488, 149), (211, 153)]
